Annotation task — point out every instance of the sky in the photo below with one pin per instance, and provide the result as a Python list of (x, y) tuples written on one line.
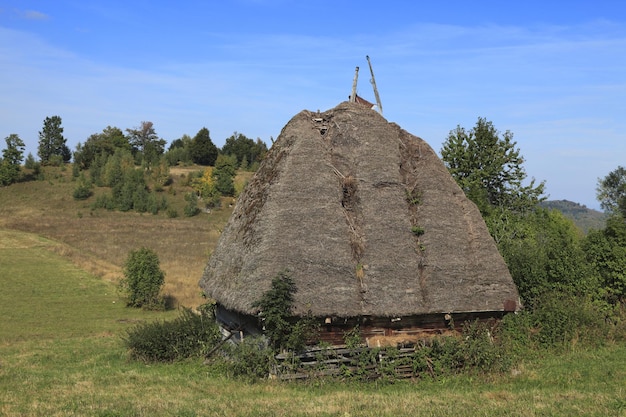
[(551, 72)]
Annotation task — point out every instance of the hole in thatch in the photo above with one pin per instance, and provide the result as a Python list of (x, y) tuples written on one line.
[(349, 199), (357, 246)]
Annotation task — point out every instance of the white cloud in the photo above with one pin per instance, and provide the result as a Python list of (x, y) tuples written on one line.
[(32, 15)]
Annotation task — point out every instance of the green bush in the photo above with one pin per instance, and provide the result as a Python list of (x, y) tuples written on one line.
[(189, 335), (82, 191), (143, 280), (516, 334), (191, 208), (30, 162), (482, 349), (104, 201), (275, 311), (560, 320), (251, 359), (172, 213), (445, 355)]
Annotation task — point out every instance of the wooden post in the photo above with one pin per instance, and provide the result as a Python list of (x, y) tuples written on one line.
[(356, 77)]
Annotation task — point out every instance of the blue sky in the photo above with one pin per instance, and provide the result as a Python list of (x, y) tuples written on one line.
[(552, 72)]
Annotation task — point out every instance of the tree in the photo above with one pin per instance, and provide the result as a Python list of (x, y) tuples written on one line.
[(146, 144), (275, 309), (223, 174), (179, 151), (541, 248), (202, 150), (488, 168), (143, 279), (611, 191), (245, 149), (205, 188), (52, 145), (107, 142), (12, 156), (606, 250)]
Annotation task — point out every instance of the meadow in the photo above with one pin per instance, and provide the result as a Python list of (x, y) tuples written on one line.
[(62, 354), (98, 240)]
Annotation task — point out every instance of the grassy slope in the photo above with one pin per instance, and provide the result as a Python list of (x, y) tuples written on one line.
[(99, 241), (61, 355)]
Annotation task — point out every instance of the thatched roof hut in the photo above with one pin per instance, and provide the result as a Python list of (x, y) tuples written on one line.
[(368, 221)]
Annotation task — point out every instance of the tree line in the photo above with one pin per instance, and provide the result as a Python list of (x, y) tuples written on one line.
[(112, 158), (143, 143)]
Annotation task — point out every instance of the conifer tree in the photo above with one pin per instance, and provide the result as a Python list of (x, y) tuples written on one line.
[(11, 160), (52, 145)]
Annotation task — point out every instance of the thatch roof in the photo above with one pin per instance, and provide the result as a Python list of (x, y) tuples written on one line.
[(368, 221)]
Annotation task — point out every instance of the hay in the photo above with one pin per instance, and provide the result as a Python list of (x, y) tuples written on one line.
[(337, 202)]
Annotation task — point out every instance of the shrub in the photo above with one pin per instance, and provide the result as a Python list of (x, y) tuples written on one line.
[(172, 213), (56, 160), (191, 208), (30, 162), (189, 335), (516, 333), (481, 350), (561, 319), (82, 191), (104, 201), (445, 355), (141, 199), (143, 279), (252, 358), (275, 309)]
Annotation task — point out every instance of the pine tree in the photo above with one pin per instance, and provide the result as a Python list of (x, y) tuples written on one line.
[(11, 160), (52, 144), (202, 150)]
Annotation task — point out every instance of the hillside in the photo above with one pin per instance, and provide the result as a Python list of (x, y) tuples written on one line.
[(585, 218), (99, 240)]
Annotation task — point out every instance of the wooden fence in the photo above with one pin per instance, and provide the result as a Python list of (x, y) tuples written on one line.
[(362, 361)]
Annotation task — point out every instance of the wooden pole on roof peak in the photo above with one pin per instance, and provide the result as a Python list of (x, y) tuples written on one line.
[(373, 81), (356, 78)]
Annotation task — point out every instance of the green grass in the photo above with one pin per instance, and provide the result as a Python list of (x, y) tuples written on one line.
[(44, 296), (61, 355)]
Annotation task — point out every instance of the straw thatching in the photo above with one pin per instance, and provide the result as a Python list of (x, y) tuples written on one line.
[(368, 221)]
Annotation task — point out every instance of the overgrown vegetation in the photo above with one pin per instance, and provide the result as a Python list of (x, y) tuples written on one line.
[(282, 329), (189, 335), (557, 322)]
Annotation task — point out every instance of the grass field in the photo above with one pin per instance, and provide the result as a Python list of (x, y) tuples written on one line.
[(61, 354)]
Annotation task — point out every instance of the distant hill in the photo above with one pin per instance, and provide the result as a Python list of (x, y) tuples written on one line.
[(584, 217)]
